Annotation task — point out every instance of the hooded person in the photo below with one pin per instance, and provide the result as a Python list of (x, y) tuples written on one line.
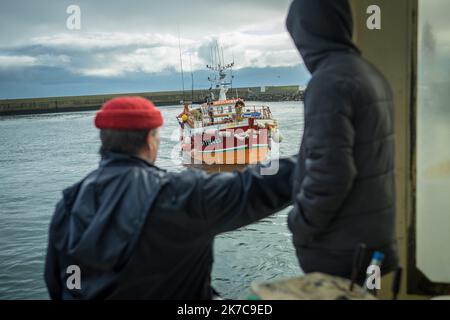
[(344, 190), (130, 230)]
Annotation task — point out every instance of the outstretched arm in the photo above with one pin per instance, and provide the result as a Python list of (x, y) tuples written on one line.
[(232, 200)]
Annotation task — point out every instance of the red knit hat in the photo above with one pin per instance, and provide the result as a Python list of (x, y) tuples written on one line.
[(128, 113)]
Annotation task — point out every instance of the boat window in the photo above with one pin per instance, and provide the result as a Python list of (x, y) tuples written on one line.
[(433, 141)]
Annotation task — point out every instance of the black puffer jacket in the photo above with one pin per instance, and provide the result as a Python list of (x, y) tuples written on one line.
[(138, 232), (344, 191)]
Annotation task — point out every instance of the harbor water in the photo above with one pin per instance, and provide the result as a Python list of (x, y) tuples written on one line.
[(40, 155)]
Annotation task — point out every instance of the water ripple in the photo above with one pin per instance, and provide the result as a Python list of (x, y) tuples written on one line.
[(40, 155)]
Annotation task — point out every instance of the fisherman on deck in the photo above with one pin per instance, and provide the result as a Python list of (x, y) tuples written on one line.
[(344, 191), (135, 231), (186, 117), (211, 113), (239, 106), (185, 111)]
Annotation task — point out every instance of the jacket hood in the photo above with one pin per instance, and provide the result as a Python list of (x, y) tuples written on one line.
[(99, 220), (320, 27)]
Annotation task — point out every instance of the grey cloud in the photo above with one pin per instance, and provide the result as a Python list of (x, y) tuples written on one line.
[(30, 29), (24, 19)]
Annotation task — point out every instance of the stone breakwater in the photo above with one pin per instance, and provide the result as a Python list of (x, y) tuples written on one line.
[(94, 102)]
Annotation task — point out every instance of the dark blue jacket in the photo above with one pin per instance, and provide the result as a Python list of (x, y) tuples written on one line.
[(344, 190), (138, 232)]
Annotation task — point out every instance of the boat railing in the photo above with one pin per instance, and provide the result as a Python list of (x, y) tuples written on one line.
[(228, 114), (224, 114)]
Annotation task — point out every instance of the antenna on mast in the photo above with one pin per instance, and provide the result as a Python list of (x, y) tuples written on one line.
[(181, 61), (212, 56), (231, 72), (217, 53), (219, 69)]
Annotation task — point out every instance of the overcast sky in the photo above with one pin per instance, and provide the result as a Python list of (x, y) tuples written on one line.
[(132, 39), (132, 45)]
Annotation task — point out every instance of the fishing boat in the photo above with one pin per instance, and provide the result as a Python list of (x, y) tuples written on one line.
[(226, 131)]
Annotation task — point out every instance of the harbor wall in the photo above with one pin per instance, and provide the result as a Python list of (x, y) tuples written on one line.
[(94, 102)]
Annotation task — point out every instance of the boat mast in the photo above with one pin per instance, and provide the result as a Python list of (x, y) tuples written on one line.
[(181, 62), (219, 80)]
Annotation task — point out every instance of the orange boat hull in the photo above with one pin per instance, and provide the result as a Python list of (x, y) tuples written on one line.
[(247, 155)]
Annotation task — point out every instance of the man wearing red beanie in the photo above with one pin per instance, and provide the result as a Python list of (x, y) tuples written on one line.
[(130, 230)]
